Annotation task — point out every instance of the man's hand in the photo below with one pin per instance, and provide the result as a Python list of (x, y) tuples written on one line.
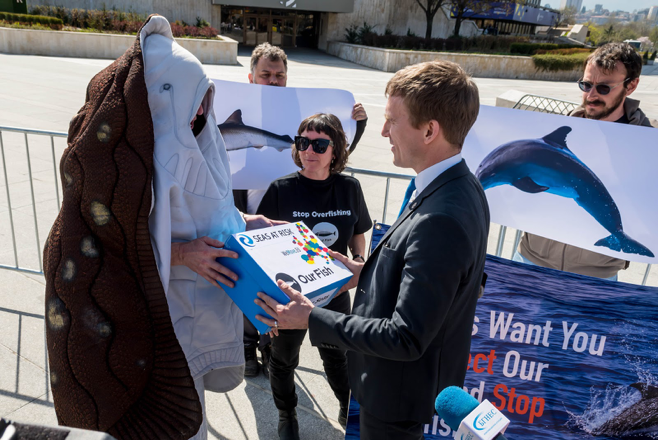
[(200, 255), (260, 221), (293, 315), (358, 112), (353, 266)]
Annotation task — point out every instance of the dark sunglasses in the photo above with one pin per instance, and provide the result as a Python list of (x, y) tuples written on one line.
[(601, 89), (319, 145)]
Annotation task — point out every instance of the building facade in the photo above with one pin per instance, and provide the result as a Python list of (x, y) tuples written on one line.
[(577, 4), (312, 23), (514, 18), (653, 13)]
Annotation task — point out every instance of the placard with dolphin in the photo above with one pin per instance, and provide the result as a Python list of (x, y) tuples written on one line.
[(578, 181), (258, 124)]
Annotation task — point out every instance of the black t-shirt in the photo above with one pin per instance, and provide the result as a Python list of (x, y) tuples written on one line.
[(334, 209)]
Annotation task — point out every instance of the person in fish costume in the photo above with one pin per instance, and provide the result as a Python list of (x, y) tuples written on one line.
[(137, 325)]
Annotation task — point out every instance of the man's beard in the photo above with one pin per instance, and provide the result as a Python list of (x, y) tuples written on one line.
[(607, 111)]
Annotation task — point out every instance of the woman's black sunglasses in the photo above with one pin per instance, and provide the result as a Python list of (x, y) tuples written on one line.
[(319, 145), (601, 89)]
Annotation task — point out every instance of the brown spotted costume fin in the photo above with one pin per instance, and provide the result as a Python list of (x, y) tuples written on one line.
[(116, 365)]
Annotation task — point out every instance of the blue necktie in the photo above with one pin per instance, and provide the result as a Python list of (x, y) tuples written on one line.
[(407, 195)]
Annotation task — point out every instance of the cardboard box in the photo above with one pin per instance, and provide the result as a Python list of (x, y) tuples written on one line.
[(291, 253)]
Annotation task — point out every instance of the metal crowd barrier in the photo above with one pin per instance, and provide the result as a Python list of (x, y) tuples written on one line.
[(535, 103), (17, 181), (39, 239)]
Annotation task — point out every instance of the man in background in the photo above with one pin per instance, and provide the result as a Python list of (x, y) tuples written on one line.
[(612, 74)]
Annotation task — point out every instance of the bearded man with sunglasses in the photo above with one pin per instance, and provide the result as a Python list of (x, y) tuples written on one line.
[(612, 73)]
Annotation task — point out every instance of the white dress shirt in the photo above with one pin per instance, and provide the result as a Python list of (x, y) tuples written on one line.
[(425, 177)]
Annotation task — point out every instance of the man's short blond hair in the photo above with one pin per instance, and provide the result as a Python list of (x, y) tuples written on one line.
[(440, 91), (269, 52)]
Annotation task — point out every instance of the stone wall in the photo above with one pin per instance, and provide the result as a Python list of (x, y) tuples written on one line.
[(399, 16), (107, 46), (187, 10), (480, 66)]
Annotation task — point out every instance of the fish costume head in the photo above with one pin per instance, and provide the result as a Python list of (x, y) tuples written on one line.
[(116, 364)]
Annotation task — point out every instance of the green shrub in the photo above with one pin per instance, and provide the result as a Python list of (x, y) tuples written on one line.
[(52, 22), (352, 34), (653, 56), (555, 63), (532, 48), (365, 31), (563, 51), (201, 23), (479, 44)]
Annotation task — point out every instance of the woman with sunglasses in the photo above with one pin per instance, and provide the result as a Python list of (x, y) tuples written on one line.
[(333, 206)]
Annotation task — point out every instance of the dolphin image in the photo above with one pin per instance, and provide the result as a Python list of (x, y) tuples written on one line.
[(238, 136), (547, 164), (638, 418)]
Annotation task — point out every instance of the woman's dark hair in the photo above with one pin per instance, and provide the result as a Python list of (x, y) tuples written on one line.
[(330, 125)]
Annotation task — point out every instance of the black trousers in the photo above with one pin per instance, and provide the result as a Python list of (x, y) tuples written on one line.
[(285, 358), (373, 428), (252, 337)]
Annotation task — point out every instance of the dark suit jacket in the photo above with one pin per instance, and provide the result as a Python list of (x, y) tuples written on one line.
[(410, 332)]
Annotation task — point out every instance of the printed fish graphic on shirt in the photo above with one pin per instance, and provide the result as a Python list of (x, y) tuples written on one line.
[(325, 234), (238, 136)]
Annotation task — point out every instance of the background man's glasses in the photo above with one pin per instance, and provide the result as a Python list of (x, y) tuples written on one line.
[(601, 89), (319, 145)]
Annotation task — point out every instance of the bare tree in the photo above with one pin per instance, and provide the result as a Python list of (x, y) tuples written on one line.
[(465, 9), (567, 16), (430, 7)]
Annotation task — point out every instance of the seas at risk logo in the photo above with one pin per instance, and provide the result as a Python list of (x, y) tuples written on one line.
[(246, 240)]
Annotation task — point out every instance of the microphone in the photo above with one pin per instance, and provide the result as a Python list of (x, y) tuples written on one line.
[(470, 418)]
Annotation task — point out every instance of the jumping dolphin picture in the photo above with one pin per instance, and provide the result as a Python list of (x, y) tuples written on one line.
[(640, 417), (548, 165), (238, 136)]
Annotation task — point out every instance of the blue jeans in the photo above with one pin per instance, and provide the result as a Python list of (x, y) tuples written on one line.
[(521, 259)]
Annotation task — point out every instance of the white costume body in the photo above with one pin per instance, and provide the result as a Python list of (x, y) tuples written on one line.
[(192, 199)]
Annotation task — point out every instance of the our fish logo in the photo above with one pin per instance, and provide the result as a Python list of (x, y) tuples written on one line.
[(289, 280), (246, 240)]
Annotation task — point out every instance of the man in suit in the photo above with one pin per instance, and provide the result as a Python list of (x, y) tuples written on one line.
[(410, 331)]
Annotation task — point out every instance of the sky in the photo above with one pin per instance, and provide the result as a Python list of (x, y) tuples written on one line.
[(613, 5)]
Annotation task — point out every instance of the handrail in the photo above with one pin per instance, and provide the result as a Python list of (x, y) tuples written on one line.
[(33, 131)]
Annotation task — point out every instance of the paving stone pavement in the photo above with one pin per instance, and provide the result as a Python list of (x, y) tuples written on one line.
[(45, 92)]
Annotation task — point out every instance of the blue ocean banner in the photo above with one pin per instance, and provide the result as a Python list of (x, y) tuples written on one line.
[(563, 356), (574, 180)]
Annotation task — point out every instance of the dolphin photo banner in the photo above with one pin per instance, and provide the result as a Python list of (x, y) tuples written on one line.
[(563, 356), (258, 124), (588, 183)]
